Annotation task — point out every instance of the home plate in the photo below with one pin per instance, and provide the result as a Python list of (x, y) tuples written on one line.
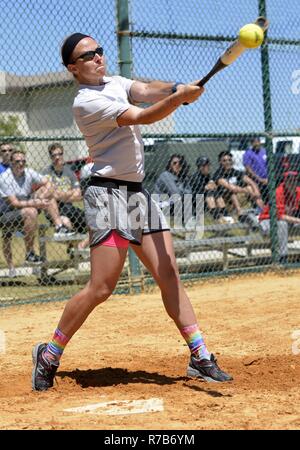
[(117, 408)]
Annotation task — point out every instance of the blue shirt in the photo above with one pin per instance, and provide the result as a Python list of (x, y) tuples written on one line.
[(3, 167)]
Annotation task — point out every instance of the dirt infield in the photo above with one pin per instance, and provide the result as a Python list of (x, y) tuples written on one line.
[(130, 350)]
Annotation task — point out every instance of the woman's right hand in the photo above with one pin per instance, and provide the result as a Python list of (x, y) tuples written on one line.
[(189, 93)]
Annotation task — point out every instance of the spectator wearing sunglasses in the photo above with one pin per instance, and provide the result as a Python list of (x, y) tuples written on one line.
[(5, 153), (233, 183), (66, 189), (171, 186), (173, 181), (17, 184)]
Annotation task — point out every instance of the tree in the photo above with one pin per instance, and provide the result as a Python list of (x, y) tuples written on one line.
[(9, 126)]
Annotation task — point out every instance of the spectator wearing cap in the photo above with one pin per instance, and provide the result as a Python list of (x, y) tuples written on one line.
[(203, 184), (255, 162), (288, 212), (233, 183)]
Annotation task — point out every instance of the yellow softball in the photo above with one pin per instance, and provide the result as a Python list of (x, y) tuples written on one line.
[(251, 35)]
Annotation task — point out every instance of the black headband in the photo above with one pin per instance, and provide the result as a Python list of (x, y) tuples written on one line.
[(69, 45)]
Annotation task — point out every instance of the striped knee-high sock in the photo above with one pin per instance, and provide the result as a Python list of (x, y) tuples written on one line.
[(195, 341), (56, 347)]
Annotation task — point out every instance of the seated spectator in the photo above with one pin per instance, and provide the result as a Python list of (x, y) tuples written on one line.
[(288, 212), (255, 162), (67, 189), (173, 183), (11, 221), (174, 179), (5, 153), (22, 206), (202, 183), (234, 182)]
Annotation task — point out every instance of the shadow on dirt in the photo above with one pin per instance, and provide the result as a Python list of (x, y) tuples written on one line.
[(112, 376), (208, 391), (115, 376)]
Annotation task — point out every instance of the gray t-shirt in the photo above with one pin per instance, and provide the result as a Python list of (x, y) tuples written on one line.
[(117, 152), (63, 181), (169, 183), (21, 187)]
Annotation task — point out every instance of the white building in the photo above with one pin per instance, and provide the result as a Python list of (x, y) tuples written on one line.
[(43, 104)]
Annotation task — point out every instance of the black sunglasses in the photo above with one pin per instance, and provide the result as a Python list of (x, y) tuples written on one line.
[(90, 55)]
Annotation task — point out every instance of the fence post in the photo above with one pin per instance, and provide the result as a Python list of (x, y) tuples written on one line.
[(269, 143), (125, 66), (124, 47)]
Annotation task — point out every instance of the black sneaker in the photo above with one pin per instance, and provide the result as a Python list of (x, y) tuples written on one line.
[(43, 372), (207, 370), (32, 258)]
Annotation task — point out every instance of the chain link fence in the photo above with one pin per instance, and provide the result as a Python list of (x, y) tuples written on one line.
[(208, 147)]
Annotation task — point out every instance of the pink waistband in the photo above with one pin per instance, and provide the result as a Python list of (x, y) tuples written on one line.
[(115, 240)]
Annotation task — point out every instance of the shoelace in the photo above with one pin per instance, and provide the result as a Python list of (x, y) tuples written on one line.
[(45, 368)]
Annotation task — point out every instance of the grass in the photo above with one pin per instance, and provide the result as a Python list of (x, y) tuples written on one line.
[(27, 288)]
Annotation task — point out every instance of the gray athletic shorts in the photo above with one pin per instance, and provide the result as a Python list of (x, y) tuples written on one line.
[(131, 214)]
